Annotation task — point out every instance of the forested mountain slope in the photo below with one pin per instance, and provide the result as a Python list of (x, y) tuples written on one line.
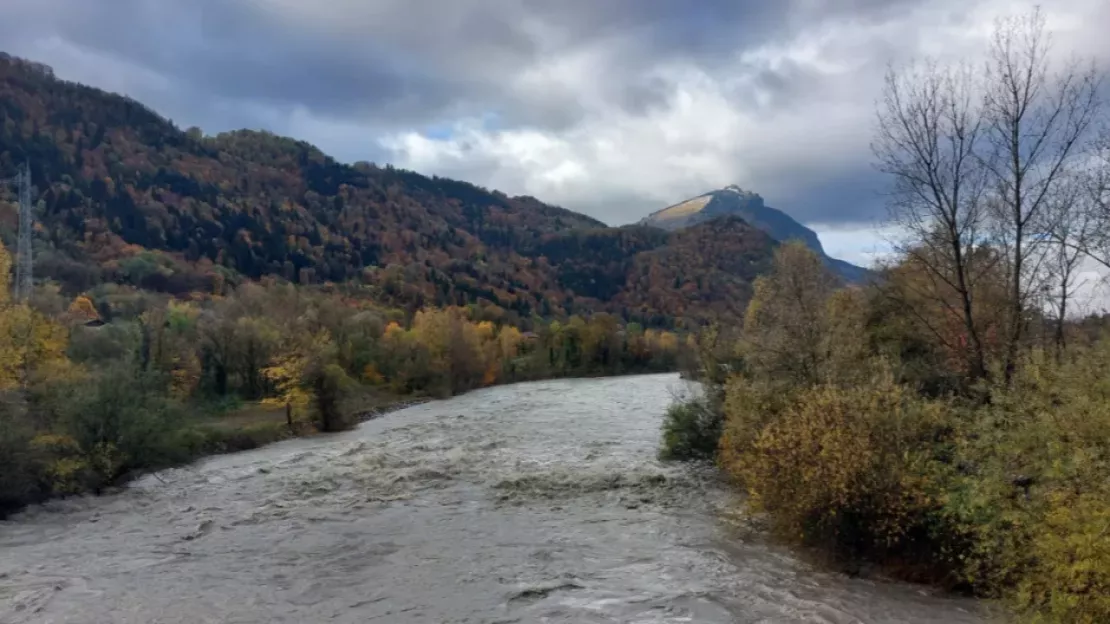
[(127, 196)]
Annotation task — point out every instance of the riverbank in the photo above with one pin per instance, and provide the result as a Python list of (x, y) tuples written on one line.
[(257, 424), (202, 432), (95, 403), (861, 447)]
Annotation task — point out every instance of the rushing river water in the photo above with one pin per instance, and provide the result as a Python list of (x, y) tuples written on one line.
[(538, 502)]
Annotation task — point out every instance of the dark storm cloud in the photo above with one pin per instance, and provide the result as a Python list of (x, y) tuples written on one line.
[(851, 195), (346, 73), (237, 50), (705, 29), (402, 61)]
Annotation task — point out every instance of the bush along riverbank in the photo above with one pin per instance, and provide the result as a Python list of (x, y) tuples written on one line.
[(119, 381), (855, 433), (951, 419)]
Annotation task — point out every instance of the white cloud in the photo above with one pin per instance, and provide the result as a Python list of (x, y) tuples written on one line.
[(864, 246), (1092, 293), (790, 119), (698, 140)]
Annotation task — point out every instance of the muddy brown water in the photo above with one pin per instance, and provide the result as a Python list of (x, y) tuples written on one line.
[(539, 502)]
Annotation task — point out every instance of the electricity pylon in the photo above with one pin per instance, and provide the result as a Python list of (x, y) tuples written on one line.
[(24, 282)]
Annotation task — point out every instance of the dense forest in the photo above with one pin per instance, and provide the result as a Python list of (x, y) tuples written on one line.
[(87, 401), (126, 197), (949, 421)]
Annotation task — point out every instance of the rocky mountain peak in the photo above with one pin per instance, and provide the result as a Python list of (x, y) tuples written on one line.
[(735, 201)]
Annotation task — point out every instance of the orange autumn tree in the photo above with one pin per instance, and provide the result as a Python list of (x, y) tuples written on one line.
[(912, 310), (82, 310)]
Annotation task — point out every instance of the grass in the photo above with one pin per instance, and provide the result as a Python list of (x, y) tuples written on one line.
[(248, 415), (685, 208), (254, 424)]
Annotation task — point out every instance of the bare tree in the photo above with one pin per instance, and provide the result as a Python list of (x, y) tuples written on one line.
[(984, 159), (1036, 122), (1070, 222), (1097, 246), (930, 127)]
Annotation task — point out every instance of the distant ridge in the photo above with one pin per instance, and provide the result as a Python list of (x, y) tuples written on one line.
[(735, 201), (131, 200)]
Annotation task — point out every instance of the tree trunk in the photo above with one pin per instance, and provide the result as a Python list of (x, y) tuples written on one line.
[(1059, 338), (977, 366), (1016, 308)]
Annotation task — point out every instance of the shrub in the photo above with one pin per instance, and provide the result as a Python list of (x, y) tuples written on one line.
[(329, 384), (748, 405), (1035, 490), (851, 469), (122, 421), (690, 430), (114, 341), (1009, 498), (206, 440), (199, 440), (63, 468), (19, 465), (1069, 579)]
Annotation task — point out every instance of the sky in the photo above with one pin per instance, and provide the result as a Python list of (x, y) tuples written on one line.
[(613, 108)]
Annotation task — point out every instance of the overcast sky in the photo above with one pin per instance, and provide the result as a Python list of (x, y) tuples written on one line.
[(614, 108)]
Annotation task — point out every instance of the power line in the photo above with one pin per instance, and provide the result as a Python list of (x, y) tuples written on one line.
[(23, 272)]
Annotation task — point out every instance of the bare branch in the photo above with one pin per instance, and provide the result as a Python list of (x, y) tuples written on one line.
[(930, 126), (1037, 123)]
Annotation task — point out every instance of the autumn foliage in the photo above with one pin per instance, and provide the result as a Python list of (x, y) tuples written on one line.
[(130, 198), (850, 422), (86, 404)]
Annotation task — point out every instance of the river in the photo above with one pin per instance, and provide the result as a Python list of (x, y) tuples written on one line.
[(539, 502)]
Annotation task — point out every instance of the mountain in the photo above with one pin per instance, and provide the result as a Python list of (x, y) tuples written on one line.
[(703, 272), (128, 197), (734, 201)]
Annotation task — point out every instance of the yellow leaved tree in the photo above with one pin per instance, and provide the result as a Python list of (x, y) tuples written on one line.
[(30, 343), (32, 351), (9, 359), (5, 275), (301, 374), (455, 346)]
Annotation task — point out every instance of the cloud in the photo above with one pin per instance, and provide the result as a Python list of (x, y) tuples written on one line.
[(789, 116), (611, 108)]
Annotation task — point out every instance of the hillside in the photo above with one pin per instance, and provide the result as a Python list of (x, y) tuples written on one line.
[(126, 196), (734, 201)]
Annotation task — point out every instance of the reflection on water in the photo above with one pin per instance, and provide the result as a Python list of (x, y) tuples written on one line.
[(539, 502)]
